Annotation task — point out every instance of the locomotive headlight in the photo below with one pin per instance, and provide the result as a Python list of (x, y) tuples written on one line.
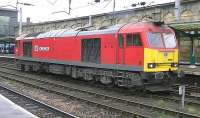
[(151, 65), (174, 65)]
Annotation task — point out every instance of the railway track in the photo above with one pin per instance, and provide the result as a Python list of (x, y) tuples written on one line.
[(125, 106), (191, 91), (10, 64), (190, 99), (69, 93), (36, 107)]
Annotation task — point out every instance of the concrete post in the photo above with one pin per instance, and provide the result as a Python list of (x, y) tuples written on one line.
[(20, 21), (177, 10), (90, 21), (113, 19)]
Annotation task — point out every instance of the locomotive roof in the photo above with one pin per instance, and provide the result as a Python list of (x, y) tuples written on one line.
[(85, 31), (73, 32)]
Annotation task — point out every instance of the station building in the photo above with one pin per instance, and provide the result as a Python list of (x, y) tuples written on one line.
[(8, 22)]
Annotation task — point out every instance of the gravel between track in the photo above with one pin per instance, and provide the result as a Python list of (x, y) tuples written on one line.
[(69, 105)]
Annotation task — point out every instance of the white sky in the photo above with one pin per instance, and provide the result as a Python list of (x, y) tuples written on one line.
[(43, 9)]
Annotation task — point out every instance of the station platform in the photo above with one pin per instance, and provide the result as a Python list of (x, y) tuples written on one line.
[(7, 55), (190, 70), (8, 109)]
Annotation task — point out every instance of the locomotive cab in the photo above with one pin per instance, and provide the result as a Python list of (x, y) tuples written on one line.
[(152, 47), (161, 53), (160, 56)]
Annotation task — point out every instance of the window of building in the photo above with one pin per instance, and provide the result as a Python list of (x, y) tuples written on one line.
[(133, 40)]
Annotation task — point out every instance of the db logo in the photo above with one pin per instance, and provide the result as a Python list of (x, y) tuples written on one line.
[(41, 49), (36, 48)]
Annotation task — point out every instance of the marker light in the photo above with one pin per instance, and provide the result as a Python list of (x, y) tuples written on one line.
[(174, 65), (151, 65)]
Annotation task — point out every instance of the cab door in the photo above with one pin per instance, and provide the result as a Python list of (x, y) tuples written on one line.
[(121, 49), (27, 49), (134, 51)]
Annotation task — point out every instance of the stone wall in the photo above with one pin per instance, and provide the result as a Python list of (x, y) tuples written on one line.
[(184, 50), (189, 12), (197, 50)]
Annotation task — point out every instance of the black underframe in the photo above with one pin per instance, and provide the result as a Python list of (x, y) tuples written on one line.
[(84, 64)]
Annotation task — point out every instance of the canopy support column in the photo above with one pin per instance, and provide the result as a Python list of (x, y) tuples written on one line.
[(192, 52)]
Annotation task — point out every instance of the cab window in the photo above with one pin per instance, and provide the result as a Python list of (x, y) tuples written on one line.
[(155, 40), (133, 40)]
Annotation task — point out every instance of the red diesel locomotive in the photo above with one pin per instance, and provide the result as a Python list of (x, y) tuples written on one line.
[(134, 54)]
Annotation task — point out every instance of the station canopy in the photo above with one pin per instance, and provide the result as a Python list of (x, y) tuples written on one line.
[(189, 28)]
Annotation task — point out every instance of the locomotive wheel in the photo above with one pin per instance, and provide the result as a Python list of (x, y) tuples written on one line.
[(22, 68), (106, 80), (88, 77), (30, 68)]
